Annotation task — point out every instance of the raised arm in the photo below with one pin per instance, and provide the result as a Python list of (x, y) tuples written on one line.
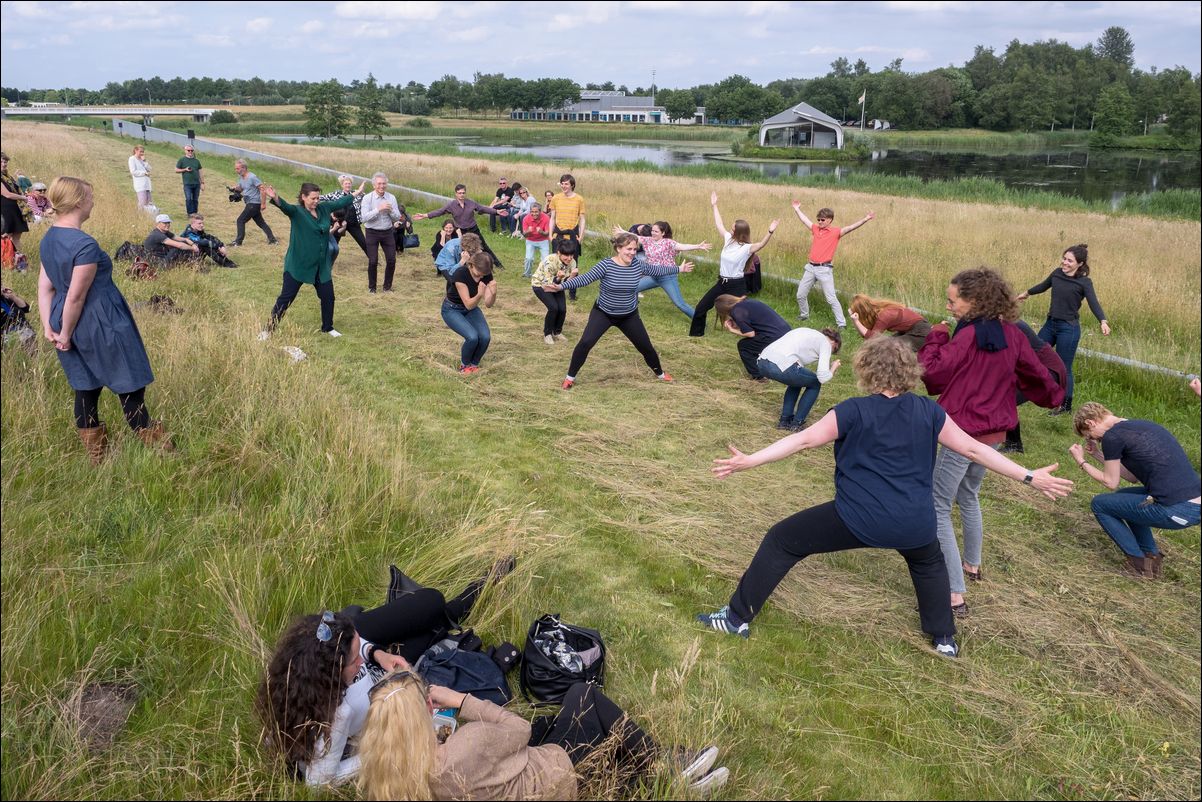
[(805, 221), (848, 229), (722, 230), (759, 246), (823, 432), (953, 437)]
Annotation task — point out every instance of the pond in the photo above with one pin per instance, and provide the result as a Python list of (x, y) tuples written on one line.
[(1097, 175)]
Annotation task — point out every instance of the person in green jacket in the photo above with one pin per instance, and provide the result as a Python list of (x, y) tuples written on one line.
[(308, 257)]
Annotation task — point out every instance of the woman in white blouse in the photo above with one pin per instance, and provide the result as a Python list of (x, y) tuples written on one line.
[(737, 248), (139, 169), (785, 360)]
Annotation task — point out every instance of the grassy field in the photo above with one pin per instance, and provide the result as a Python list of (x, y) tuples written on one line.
[(296, 484), (974, 139)]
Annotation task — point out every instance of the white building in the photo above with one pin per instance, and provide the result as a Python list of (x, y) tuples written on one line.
[(602, 106)]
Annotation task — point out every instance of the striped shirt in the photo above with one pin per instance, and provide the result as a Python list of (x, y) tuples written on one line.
[(619, 283)]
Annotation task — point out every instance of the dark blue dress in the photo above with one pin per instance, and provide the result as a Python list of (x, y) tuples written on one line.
[(106, 348)]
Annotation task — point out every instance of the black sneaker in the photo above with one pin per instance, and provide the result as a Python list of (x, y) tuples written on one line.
[(785, 426), (1011, 448), (945, 646), (720, 622)]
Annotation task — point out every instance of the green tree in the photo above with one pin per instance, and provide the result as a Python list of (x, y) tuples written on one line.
[(678, 103), (326, 115), (1185, 112), (1115, 45), (1114, 114), (371, 105)]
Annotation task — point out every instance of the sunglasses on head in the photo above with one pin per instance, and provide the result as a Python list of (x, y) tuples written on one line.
[(324, 633)]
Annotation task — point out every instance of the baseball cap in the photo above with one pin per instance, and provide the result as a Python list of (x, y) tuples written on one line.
[(162, 218)]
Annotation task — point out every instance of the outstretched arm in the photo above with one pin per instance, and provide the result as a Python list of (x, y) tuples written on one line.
[(848, 229), (821, 433), (953, 437), (759, 246), (805, 221), (718, 215), (701, 246)]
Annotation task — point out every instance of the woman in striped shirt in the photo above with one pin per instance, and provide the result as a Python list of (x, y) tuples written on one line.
[(617, 304), (660, 250)]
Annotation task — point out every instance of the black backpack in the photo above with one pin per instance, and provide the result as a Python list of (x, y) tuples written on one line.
[(545, 679)]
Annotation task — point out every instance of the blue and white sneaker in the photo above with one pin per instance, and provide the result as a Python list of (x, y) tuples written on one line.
[(946, 646), (721, 622)]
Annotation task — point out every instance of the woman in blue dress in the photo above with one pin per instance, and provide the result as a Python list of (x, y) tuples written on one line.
[(86, 317)]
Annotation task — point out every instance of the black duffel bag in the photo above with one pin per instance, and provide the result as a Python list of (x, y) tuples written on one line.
[(556, 657)]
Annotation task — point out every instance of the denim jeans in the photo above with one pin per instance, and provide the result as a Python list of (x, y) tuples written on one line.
[(472, 327), (671, 285), (802, 393), (191, 198), (1064, 336), (543, 248), (958, 479), (1129, 521)]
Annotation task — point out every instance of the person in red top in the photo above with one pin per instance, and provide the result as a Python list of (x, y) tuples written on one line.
[(821, 267), (872, 316), (536, 229), (975, 372)]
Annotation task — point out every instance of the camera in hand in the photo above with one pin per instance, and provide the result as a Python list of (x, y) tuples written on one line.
[(235, 194)]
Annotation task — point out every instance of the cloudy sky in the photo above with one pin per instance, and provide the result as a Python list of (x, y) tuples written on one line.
[(53, 44)]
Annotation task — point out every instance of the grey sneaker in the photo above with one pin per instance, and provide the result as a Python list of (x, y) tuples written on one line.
[(721, 622), (946, 646)]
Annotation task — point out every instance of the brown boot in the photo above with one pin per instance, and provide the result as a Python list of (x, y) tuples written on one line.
[(1137, 567), (155, 436), (96, 442), (1154, 564)]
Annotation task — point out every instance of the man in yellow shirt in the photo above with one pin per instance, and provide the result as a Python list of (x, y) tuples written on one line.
[(567, 217)]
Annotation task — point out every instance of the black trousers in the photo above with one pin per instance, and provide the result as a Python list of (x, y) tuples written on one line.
[(750, 349), (133, 406), (572, 235), (325, 294), (724, 286), (588, 717), (208, 247), (375, 240), (557, 310), (355, 229), (496, 260), (819, 530), (414, 621), (600, 322), (252, 211)]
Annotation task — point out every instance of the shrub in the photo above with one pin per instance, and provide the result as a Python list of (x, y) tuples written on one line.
[(221, 116), (419, 122)]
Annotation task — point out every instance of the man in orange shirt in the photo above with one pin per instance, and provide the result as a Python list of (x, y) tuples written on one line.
[(567, 217), (821, 267)]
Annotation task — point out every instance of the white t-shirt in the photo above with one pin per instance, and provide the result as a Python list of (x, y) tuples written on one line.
[(733, 257), (328, 766), (801, 346), (140, 170)]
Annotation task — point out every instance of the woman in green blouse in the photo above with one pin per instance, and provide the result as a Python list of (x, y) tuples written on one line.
[(308, 257)]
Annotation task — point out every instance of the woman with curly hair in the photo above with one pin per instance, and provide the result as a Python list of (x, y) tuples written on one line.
[(884, 464), (975, 371), (496, 754), (313, 697), (872, 316), (1070, 285)]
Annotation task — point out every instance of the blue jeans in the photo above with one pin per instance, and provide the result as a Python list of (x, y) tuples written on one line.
[(797, 379), (472, 327), (1129, 521), (191, 198), (1064, 336), (670, 285), (543, 248)]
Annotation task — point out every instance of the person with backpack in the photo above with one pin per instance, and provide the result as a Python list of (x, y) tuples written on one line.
[(494, 753)]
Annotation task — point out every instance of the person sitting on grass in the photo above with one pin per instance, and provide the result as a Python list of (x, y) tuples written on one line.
[(444, 235), (13, 325), (38, 203), (756, 324), (470, 290), (1169, 489), (314, 694), (208, 244), (885, 446), (496, 754), (821, 266), (168, 248)]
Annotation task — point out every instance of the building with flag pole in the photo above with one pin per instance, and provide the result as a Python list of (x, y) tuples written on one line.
[(801, 126)]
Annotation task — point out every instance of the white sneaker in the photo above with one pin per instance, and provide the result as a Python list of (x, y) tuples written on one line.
[(334, 333), (549, 340), (561, 336), (692, 766), (264, 335), (708, 785)]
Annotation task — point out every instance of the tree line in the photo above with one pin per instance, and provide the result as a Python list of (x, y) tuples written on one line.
[(1042, 85)]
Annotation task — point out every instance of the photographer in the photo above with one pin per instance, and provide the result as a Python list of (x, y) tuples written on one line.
[(209, 245), (248, 192)]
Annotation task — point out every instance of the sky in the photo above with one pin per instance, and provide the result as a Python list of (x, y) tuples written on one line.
[(87, 44)]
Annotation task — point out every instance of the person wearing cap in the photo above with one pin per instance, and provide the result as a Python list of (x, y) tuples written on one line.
[(194, 178), (164, 246), (37, 202)]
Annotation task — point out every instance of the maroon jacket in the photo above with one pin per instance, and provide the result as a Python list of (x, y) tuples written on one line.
[(976, 387)]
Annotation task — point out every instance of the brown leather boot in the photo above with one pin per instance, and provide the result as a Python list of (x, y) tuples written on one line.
[(155, 436), (1154, 563), (96, 442), (1137, 567)]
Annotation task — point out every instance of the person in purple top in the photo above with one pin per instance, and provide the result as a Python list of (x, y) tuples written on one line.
[(463, 211)]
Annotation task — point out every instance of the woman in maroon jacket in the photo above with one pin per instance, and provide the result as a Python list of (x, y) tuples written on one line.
[(975, 372)]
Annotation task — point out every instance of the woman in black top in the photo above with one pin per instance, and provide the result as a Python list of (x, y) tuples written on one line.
[(470, 290), (1070, 285), (352, 213), (444, 235)]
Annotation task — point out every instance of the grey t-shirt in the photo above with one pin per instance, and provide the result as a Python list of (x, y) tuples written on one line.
[(250, 188)]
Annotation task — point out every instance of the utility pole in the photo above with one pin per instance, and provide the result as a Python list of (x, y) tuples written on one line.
[(653, 87)]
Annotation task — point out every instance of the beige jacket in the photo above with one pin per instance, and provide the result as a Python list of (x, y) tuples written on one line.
[(488, 758)]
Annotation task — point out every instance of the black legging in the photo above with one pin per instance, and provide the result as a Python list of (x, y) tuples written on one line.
[(252, 211), (820, 530), (588, 717), (557, 310), (600, 322), (724, 286), (496, 260), (133, 406), (325, 293), (571, 235), (415, 620), (355, 229)]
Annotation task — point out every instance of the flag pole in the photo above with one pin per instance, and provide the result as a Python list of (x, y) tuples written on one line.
[(863, 106)]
